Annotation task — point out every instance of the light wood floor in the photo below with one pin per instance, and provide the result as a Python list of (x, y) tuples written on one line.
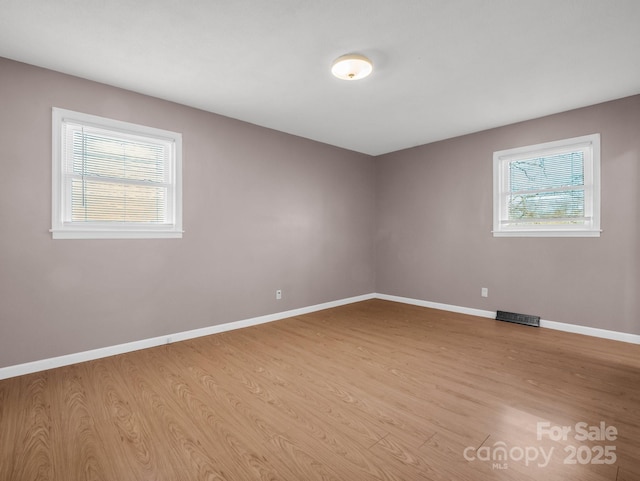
[(370, 391)]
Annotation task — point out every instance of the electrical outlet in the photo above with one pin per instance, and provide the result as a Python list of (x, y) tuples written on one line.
[(279, 294), (484, 292)]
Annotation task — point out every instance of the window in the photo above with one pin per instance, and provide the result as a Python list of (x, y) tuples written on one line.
[(550, 189), (114, 179)]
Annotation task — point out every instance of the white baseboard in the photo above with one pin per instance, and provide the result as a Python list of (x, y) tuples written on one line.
[(558, 326), (436, 305), (44, 364), (592, 331), (51, 363)]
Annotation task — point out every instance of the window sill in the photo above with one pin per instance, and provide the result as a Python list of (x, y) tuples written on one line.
[(110, 234), (547, 233)]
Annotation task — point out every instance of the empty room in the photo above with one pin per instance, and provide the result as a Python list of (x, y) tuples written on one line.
[(295, 240)]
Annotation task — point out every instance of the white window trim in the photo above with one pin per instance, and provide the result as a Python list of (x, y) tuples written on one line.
[(501, 160), (69, 230)]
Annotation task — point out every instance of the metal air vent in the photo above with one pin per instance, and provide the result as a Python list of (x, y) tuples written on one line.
[(525, 319)]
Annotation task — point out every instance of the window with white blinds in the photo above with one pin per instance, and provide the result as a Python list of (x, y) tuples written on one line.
[(550, 189), (114, 179)]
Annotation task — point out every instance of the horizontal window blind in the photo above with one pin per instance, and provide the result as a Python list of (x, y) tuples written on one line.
[(116, 178), (547, 189)]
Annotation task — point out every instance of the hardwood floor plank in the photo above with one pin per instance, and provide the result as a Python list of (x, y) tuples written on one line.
[(628, 473), (28, 442), (304, 421), (286, 380), (76, 430), (235, 434), (10, 418), (338, 381), (137, 436)]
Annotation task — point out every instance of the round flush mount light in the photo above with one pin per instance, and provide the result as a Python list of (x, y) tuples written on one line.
[(351, 67)]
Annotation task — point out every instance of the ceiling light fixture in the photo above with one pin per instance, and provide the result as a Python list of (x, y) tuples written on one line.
[(351, 67)]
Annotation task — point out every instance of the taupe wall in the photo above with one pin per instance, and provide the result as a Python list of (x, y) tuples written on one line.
[(262, 210), (434, 243)]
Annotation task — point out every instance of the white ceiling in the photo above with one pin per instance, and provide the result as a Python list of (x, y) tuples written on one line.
[(442, 68)]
